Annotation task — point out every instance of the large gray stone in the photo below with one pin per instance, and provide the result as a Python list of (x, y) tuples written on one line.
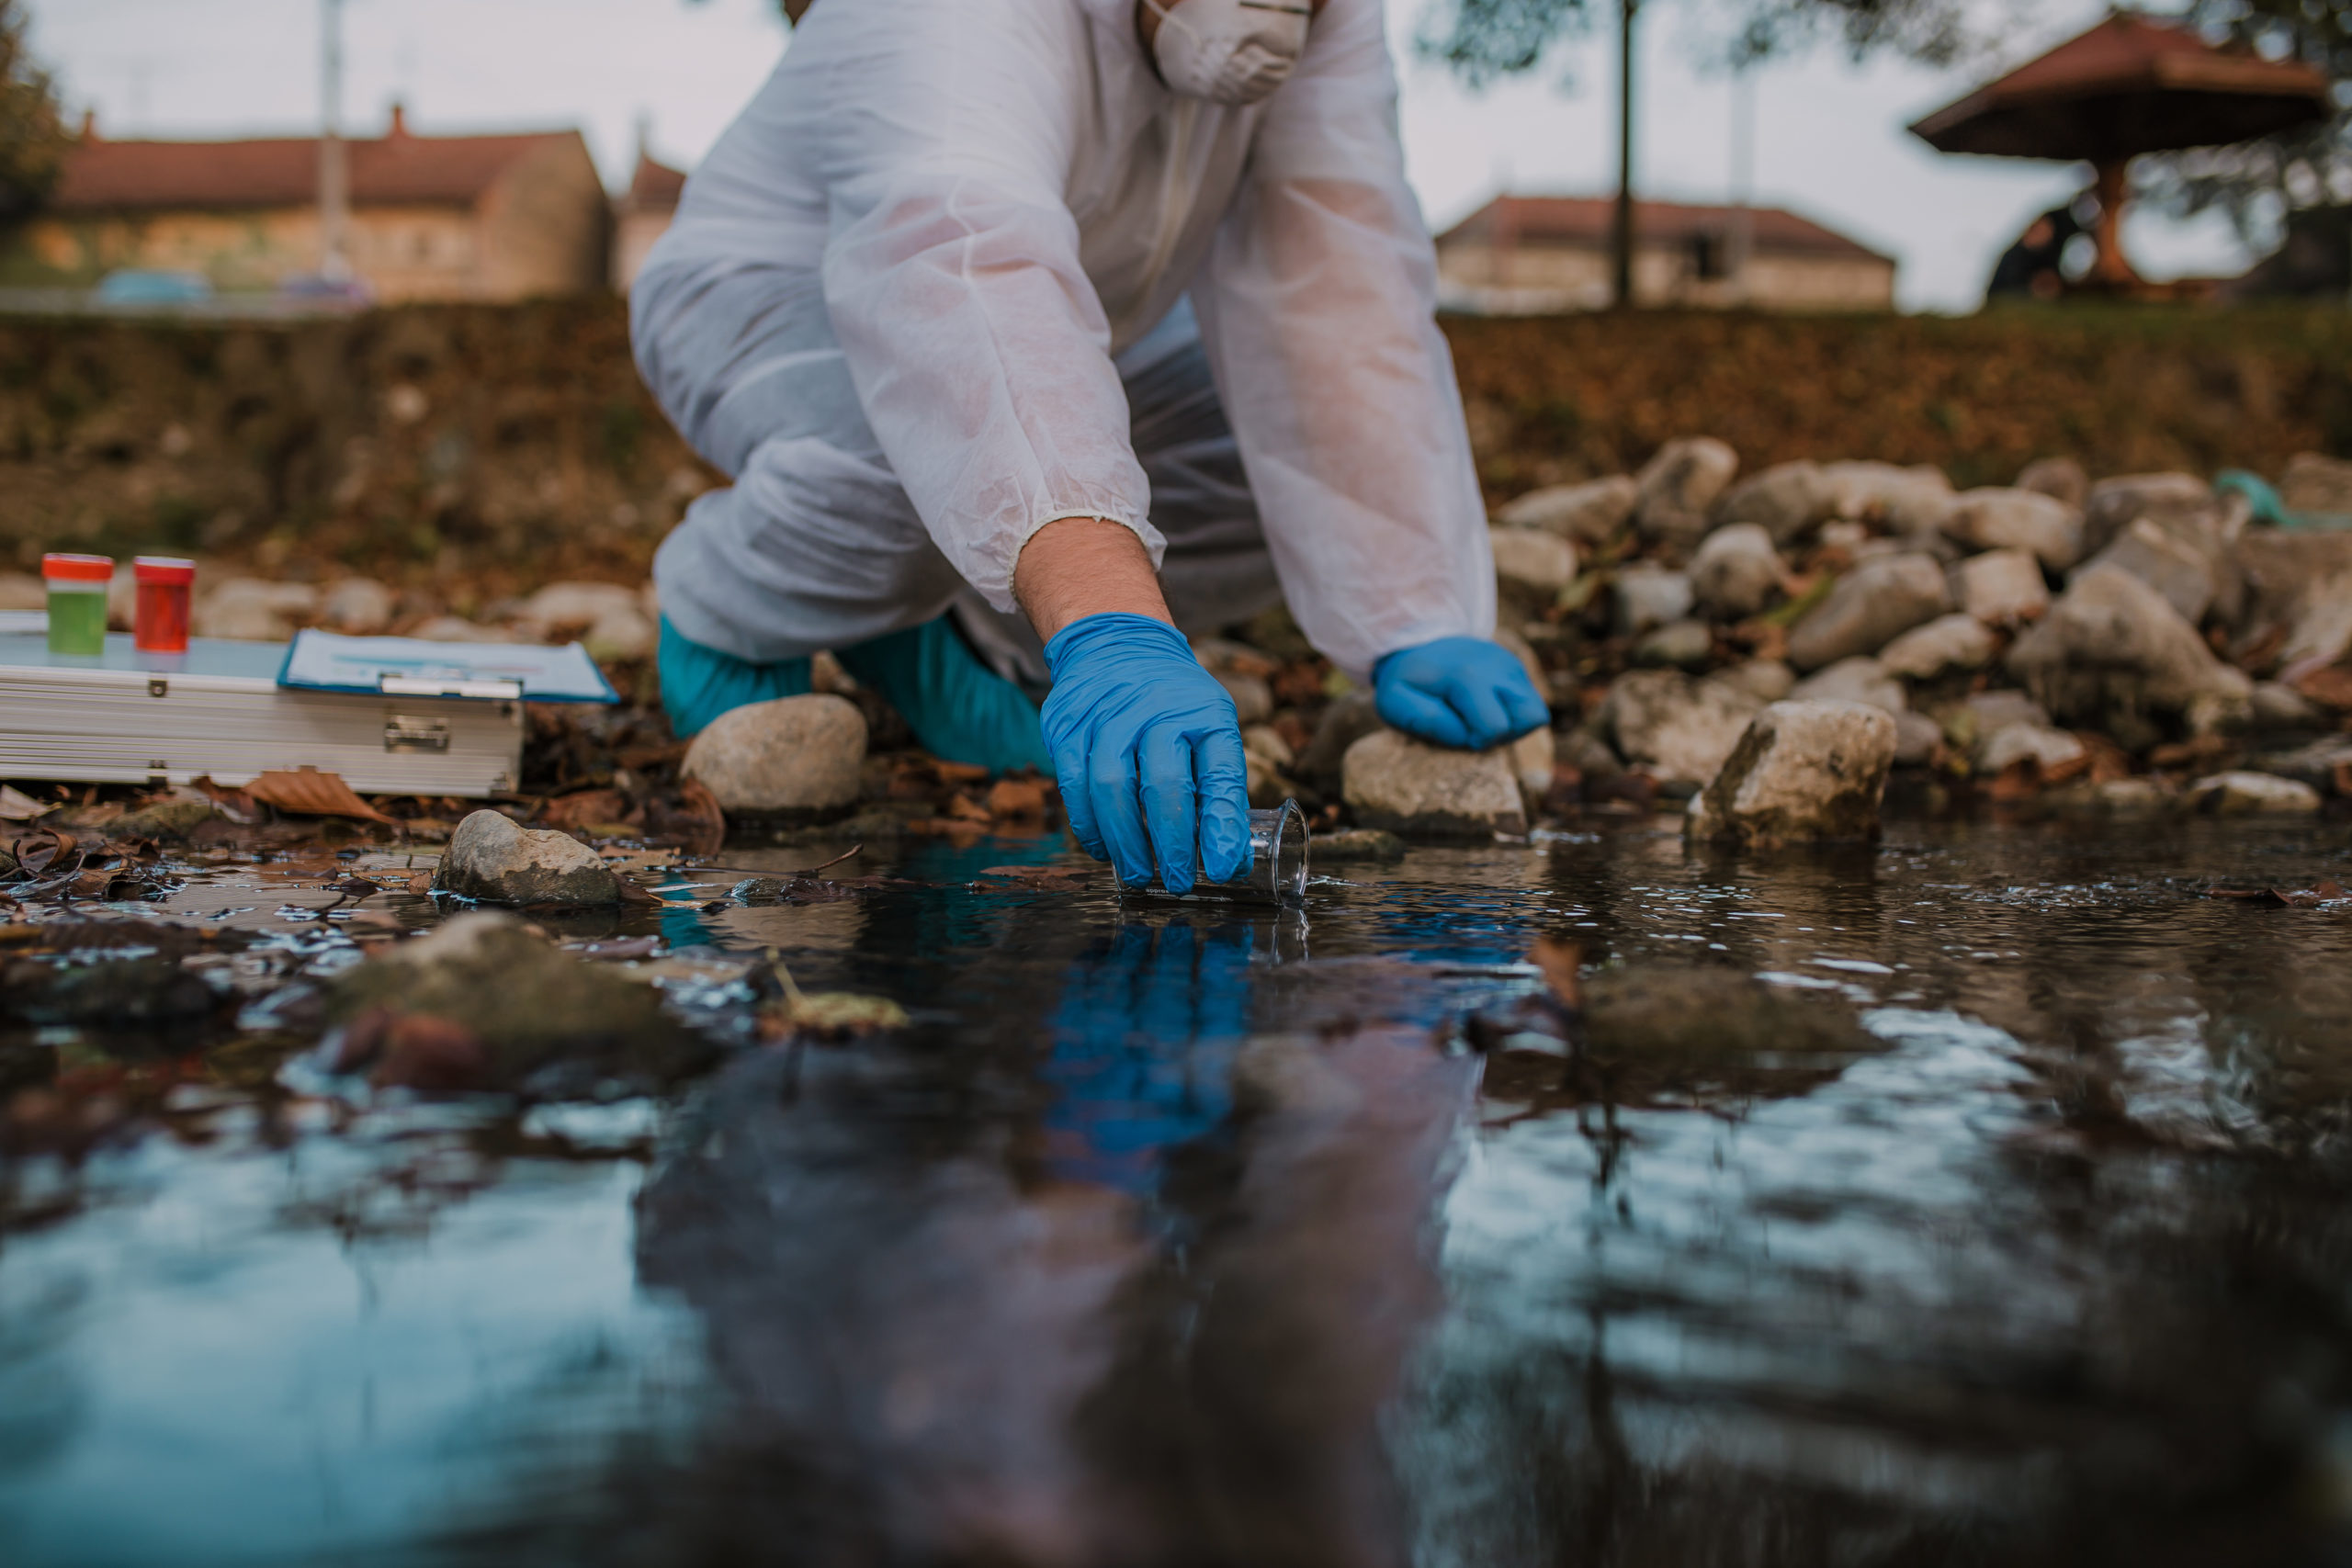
[(1592, 513), (2001, 588), (1860, 679), (2115, 504), (1949, 644), (1907, 501), (1678, 645), (1785, 500), (494, 859), (2047, 749), (2253, 795), (786, 755), (2062, 479), (2111, 642), (1532, 566), (2178, 570), (1344, 722), (1398, 784), (1677, 488), (1737, 572), (1677, 729), (1803, 772), (2047, 528), (1649, 596), (1766, 679), (1872, 605), (358, 606)]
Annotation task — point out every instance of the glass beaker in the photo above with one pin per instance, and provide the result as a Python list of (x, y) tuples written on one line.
[(1277, 873)]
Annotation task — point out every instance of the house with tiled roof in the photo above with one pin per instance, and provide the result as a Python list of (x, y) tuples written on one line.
[(1523, 254), (643, 215), (498, 217)]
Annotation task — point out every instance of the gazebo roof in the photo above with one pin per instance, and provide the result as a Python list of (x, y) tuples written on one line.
[(2127, 87)]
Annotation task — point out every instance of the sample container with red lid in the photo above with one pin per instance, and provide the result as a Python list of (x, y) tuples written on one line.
[(77, 603), (165, 584)]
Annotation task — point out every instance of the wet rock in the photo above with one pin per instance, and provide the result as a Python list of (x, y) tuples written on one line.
[(2115, 504), (1649, 596), (1354, 846), (1519, 649), (2178, 570), (2314, 482), (358, 606), (250, 609), (1989, 712), (481, 1002), (2112, 642), (1950, 644), (1860, 679), (1653, 1014), (1803, 772), (1907, 501), (786, 755), (1253, 700), (147, 991), (1737, 572), (1918, 739), (494, 859), (2046, 528), (1677, 729), (2325, 764), (1534, 758), (2050, 749), (1785, 500), (1532, 566), (2252, 795), (1593, 514), (1269, 759), (2001, 588), (1678, 645), (621, 634), (2062, 479), (2139, 796), (1678, 486), (1344, 722), (1265, 741), (1871, 606), (1397, 784), (169, 820), (1766, 680), (2278, 706)]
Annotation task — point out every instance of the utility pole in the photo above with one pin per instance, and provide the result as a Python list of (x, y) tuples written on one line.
[(334, 167), (1622, 241)]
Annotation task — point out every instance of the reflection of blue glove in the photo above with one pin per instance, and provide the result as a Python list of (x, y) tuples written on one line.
[(1145, 743), (1458, 691)]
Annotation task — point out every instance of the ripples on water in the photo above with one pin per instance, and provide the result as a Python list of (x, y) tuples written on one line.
[(1177, 1235)]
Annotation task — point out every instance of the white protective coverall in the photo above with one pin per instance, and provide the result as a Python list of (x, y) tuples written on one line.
[(909, 303)]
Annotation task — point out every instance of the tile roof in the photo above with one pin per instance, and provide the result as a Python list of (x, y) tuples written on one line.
[(655, 187), (103, 175), (1588, 220)]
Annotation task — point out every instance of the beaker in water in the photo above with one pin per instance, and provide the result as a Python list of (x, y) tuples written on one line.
[(1277, 873)]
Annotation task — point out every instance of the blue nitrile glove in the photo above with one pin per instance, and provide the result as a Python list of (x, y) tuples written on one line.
[(1148, 748), (1458, 691)]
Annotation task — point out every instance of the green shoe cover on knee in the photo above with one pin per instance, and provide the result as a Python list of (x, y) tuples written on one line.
[(960, 710)]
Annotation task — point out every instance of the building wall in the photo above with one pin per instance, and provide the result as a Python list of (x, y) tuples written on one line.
[(633, 236), (1533, 278), (546, 227)]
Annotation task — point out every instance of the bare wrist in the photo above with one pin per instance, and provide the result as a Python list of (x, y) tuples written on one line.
[(1075, 567)]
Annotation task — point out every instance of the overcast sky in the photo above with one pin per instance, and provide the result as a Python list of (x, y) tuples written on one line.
[(1829, 141)]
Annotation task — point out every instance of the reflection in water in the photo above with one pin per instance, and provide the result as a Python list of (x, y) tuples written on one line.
[(1156, 1241)]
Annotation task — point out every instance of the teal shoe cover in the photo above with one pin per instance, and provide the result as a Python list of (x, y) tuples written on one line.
[(959, 709)]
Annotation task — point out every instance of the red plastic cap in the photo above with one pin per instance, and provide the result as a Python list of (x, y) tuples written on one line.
[(163, 568), (78, 568)]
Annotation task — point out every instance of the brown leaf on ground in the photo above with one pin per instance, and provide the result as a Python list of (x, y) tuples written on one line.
[(1563, 965), (2021, 780), (1044, 878), (2330, 687), (2072, 768), (237, 805), (2342, 778), (42, 849), (2327, 892), (959, 772), (306, 792), (589, 806), (1018, 800), (2107, 761), (704, 807), (964, 808), (2202, 752), (17, 807)]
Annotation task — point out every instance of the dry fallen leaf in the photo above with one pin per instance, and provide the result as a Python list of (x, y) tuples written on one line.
[(2329, 687), (306, 792), (17, 807)]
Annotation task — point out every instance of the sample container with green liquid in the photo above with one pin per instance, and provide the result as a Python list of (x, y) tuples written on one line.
[(77, 601)]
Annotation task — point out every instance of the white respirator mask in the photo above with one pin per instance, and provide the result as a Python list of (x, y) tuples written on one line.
[(1230, 51)]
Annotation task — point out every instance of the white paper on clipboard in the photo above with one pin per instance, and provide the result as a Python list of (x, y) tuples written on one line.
[(326, 662)]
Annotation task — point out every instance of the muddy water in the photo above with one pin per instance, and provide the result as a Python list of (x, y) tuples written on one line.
[(1192, 1235)]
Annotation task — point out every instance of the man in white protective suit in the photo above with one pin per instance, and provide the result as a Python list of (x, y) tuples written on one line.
[(1115, 313)]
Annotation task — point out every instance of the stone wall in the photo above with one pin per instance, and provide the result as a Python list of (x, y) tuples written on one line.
[(505, 446)]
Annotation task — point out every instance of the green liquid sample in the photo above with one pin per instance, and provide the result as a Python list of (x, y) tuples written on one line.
[(77, 623)]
